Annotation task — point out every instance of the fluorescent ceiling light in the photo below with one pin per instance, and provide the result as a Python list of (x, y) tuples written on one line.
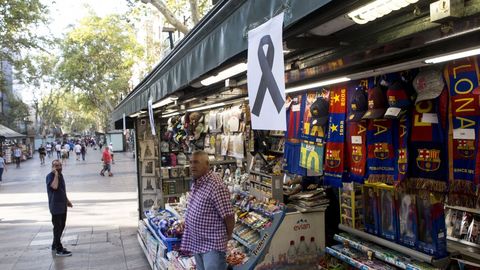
[(164, 102), (452, 56), (377, 9), (207, 107), (170, 114), (316, 84), (225, 74)]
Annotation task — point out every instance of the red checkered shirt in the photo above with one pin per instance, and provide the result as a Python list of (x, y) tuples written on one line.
[(207, 207)]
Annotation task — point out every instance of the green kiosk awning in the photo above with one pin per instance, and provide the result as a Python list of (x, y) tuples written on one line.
[(220, 35)]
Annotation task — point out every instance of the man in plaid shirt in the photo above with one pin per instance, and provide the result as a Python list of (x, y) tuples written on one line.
[(209, 219)]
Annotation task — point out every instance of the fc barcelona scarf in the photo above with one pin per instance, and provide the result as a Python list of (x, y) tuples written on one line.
[(380, 157), (402, 126), (427, 150), (357, 151), (334, 156), (462, 78)]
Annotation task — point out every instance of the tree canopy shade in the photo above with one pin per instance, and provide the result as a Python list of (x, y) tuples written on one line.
[(18, 19), (96, 62)]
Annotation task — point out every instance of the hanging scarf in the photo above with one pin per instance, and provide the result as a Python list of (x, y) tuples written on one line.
[(462, 78), (427, 148), (401, 130), (380, 157), (334, 156), (357, 151)]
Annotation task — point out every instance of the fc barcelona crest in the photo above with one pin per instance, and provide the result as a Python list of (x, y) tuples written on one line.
[(357, 153), (428, 160), (466, 148), (381, 150), (333, 159), (402, 160)]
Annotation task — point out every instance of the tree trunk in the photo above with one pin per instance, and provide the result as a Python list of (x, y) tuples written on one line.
[(169, 16), (194, 11)]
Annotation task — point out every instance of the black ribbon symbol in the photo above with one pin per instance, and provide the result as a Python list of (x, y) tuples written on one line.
[(267, 80)]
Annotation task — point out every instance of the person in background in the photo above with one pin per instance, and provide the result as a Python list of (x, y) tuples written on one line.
[(78, 150), (42, 153), (17, 154), (64, 154), (209, 219), (107, 160), (110, 149), (3, 165), (83, 151), (58, 149), (57, 204), (67, 147), (49, 149)]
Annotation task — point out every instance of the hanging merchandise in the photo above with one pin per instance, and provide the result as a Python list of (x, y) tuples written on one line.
[(428, 153), (462, 78), (380, 157), (335, 156), (356, 136), (295, 113), (311, 155)]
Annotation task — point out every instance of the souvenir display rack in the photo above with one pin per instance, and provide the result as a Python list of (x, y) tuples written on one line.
[(351, 206), (266, 186)]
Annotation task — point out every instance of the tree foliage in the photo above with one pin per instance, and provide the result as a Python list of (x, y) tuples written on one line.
[(96, 61)]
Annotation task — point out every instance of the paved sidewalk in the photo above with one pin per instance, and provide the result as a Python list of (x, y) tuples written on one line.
[(101, 226)]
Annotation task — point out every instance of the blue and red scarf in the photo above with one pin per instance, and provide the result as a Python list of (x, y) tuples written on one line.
[(427, 149), (401, 132), (335, 151), (462, 77), (381, 156), (356, 155)]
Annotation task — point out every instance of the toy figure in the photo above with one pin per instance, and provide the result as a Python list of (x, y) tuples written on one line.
[(407, 217)]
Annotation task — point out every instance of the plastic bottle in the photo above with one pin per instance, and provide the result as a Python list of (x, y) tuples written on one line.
[(292, 253), (303, 250), (313, 248)]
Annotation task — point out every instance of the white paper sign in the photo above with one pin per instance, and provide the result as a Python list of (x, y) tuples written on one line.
[(431, 118), (150, 115), (464, 134), (265, 75), (392, 111), (356, 139), (296, 108)]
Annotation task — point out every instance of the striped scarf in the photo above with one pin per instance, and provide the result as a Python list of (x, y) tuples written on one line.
[(380, 157), (335, 151), (462, 78)]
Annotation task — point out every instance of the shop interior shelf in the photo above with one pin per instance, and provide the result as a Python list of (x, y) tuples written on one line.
[(465, 209), (464, 242), (422, 257), (222, 162), (175, 167), (261, 174), (172, 195), (241, 241), (334, 251), (144, 248), (274, 151), (261, 183), (470, 252)]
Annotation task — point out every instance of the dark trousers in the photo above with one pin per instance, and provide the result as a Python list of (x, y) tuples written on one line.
[(1, 172), (59, 155), (17, 161), (58, 222), (83, 156)]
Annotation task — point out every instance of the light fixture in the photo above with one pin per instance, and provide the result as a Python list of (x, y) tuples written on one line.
[(225, 74), (377, 9), (136, 114), (164, 102), (452, 56), (211, 106), (316, 84), (170, 114)]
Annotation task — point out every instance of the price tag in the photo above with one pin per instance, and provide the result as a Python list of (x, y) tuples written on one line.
[(310, 147), (296, 108), (464, 134), (392, 111), (319, 140), (431, 118), (357, 139)]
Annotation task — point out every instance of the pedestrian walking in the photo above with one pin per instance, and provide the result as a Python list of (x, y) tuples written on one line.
[(210, 212), (107, 160), (3, 165), (42, 152), (58, 203), (67, 147), (17, 154), (83, 151), (58, 149), (64, 155), (110, 148), (78, 150), (48, 147)]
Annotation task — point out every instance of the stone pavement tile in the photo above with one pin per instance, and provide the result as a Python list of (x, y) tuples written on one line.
[(109, 267), (33, 265), (99, 237), (138, 262), (107, 261), (147, 267), (84, 238), (73, 230), (6, 265), (73, 262)]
